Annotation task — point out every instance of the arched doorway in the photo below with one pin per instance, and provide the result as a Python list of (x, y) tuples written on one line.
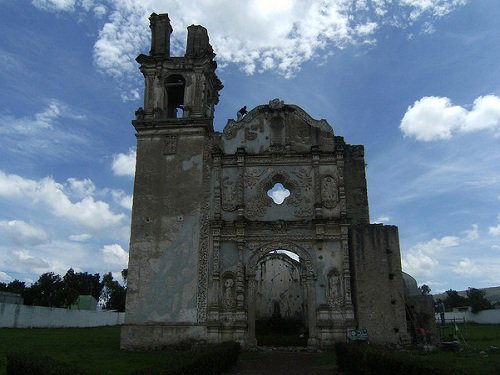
[(280, 300), (281, 297)]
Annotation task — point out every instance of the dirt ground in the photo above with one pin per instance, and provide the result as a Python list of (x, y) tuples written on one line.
[(282, 363)]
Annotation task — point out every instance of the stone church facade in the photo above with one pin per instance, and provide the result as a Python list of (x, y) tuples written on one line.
[(206, 235)]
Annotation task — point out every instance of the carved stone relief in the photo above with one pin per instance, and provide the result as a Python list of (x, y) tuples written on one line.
[(229, 291), (169, 145), (329, 192), (335, 295)]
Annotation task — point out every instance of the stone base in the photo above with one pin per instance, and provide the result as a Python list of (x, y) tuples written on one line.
[(154, 337)]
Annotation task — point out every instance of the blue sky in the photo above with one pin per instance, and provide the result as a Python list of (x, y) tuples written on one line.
[(416, 82)]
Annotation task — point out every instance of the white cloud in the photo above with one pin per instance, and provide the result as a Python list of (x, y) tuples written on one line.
[(123, 199), (494, 231), (23, 233), (124, 164), (5, 278), (24, 258), (419, 264), (80, 188), (422, 259), (432, 118), (467, 267), (88, 212), (115, 254), (258, 35), (80, 237), (473, 233), (382, 219), (28, 125), (55, 5)]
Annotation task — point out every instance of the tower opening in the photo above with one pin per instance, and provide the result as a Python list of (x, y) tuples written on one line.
[(175, 85)]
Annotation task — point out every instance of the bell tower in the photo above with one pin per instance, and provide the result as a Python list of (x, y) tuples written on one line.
[(167, 281)]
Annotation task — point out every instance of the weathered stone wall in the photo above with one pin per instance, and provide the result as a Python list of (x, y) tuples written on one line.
[(355, 184), (377, 282), (278, 282), (166, 218)]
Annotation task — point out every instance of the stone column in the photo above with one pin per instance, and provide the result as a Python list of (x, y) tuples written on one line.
[(252, 287), (311, 310), (318, 205)]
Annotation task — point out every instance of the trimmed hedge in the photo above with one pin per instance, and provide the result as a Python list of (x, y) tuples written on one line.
[(24, 363), (209, 360), (359, 359)]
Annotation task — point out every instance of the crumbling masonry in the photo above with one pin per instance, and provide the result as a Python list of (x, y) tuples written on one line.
[(204, 227)]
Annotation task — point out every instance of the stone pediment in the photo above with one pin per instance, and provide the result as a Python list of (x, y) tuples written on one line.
[(277, 128)]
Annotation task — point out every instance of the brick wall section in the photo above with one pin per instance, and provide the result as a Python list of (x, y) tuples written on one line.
[(378, 289)]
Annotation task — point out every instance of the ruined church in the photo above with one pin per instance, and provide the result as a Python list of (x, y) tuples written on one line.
[(211, 252)]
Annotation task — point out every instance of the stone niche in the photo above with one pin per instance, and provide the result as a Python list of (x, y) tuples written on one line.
[(211, 252)]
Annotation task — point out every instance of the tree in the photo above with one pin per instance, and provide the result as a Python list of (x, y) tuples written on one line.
[(477, 301), (124, 276), (453, 299), (113, 294), (84, 283), (14, 286), (47, 291), (425, 289)]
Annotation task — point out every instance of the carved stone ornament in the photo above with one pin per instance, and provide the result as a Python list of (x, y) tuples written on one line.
[(276, 104), (329, 192), (169, 144)]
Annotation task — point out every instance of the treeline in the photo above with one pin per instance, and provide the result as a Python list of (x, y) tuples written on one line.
[(475, 299), (52, 290)]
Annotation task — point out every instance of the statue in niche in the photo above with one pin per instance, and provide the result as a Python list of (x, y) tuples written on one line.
[(158, 94), (335, 296), (229, 292), (329, 192)]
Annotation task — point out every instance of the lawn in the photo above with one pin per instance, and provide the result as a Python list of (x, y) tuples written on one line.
[(95, 350)]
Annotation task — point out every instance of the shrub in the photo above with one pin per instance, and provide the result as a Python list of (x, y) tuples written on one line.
[(23, 363), (356, 359), (209, 360)]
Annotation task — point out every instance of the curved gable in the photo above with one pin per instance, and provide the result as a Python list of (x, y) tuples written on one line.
[(277, 127)]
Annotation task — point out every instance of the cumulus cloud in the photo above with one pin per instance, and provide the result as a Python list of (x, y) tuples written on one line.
[(23, 233), (258, 35), (434, 118), (494, 231), (422, 259), (96, 215), (124, 164), (24, 258), (123, 199), (81, 188), (114, 254), (5, 278), (467, 267)]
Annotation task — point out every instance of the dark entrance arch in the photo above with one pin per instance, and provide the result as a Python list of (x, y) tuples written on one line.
[(306, 275)]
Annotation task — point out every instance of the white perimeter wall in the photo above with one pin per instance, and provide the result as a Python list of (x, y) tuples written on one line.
[(22, 316), (482, 317)]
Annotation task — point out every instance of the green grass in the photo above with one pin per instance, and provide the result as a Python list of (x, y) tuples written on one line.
[(480, 353), (95, 350)]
